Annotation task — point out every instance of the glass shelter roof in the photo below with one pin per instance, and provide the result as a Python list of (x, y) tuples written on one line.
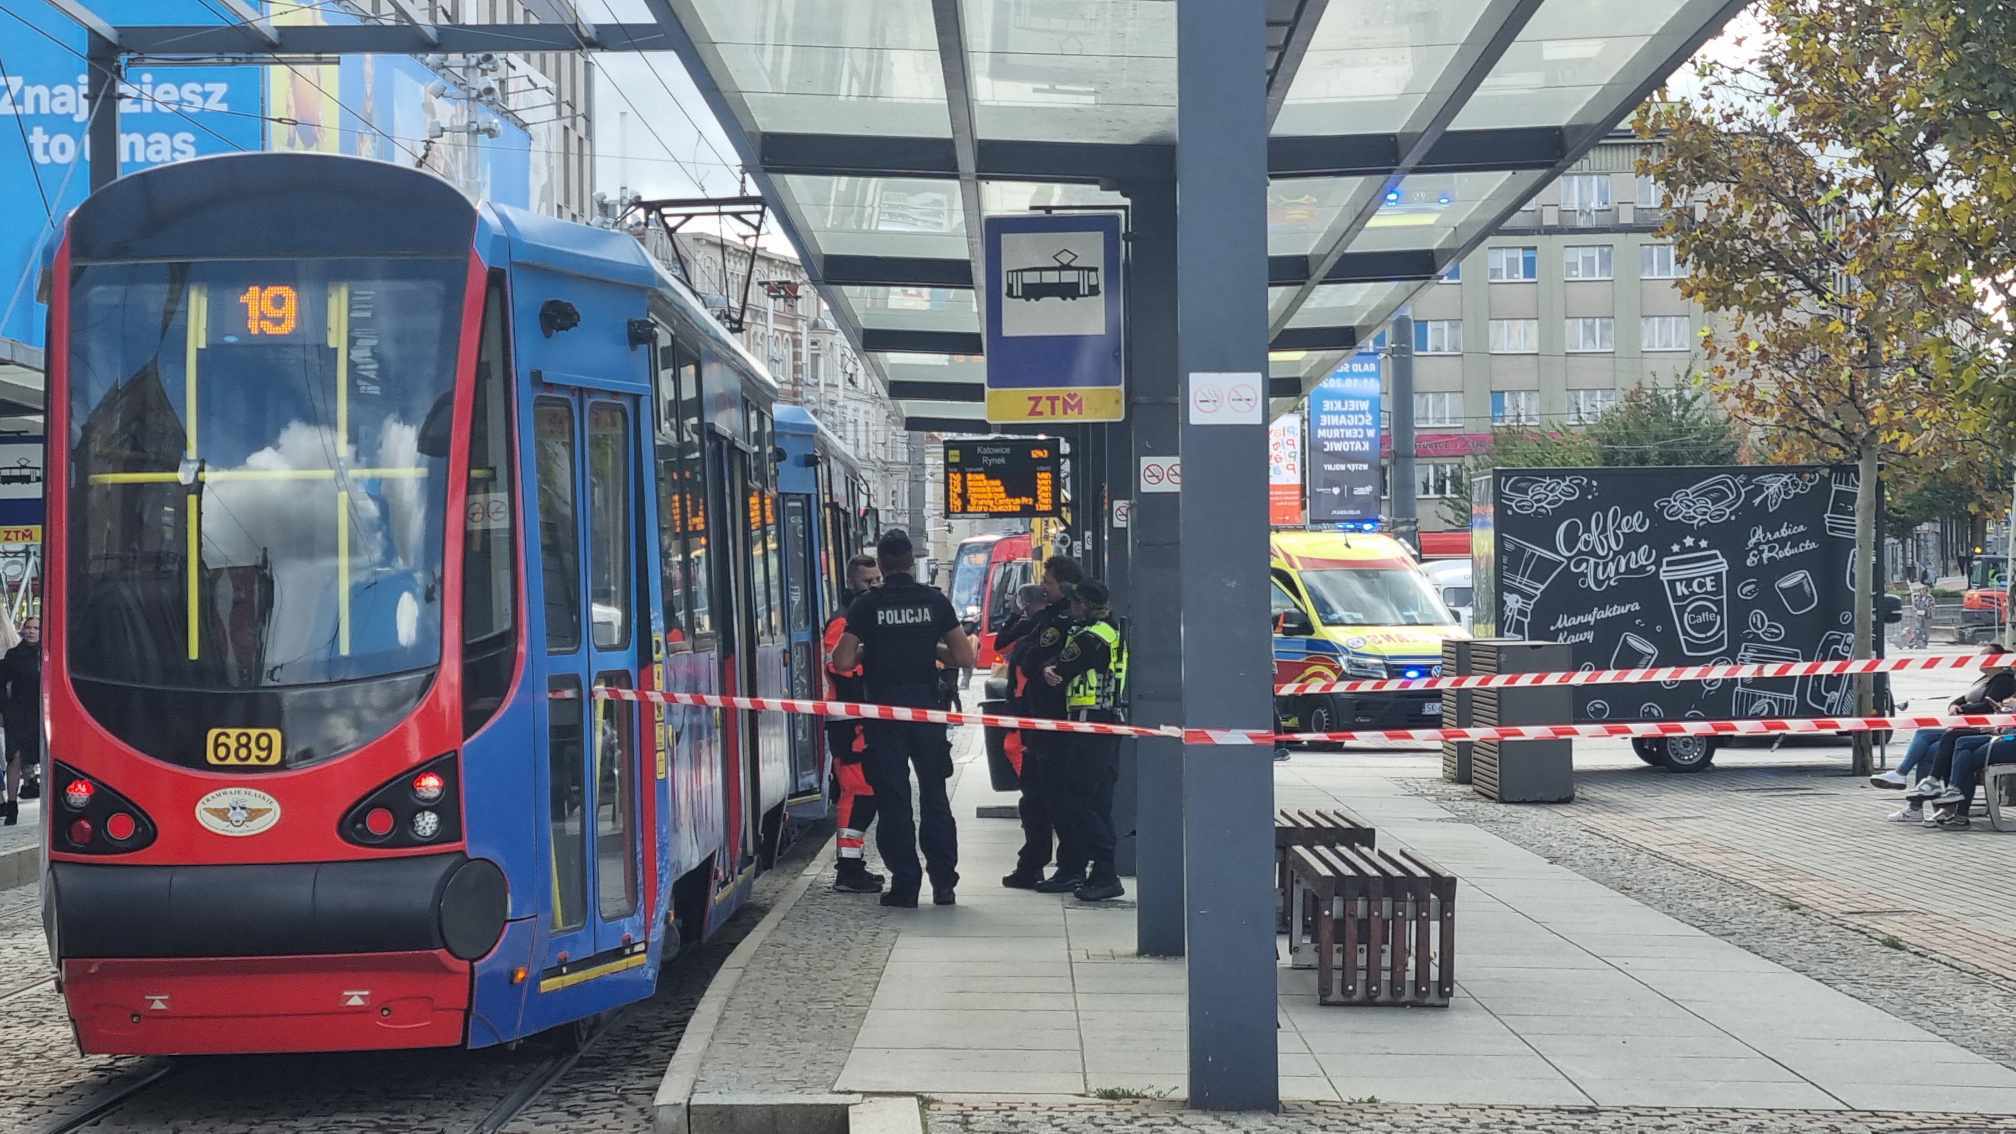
[(1402, 133)]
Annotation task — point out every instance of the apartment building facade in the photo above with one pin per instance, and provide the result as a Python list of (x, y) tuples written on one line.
[(1573, 302)]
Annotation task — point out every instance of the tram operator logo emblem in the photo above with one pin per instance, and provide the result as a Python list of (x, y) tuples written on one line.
[(237, 811)]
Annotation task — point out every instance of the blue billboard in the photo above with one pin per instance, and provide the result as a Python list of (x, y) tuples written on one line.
[(382, 107), (1344, 443), (169, 114)]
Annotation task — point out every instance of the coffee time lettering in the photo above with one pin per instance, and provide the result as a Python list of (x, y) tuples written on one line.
[(1594, 548)]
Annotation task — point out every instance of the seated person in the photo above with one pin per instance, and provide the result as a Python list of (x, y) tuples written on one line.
[(1955, 746), (1952, 805), (1993, 685)]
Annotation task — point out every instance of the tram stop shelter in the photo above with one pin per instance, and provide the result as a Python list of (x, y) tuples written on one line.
[(1290, 171)]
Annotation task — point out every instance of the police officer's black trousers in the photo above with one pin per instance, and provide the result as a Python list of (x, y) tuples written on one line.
[(1086, 768), (1038, 824), (894, 747)]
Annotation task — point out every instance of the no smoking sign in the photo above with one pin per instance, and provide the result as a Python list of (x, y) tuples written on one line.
[(1161, 474), (1235, 398)]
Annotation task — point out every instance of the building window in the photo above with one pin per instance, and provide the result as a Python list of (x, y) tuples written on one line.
[(1441, 408), (1515, 407), (1585, 406), (1584, 191), (1438, 336), (1665, 332), (1509, 264), (1588, 334), (1588, 262), (1651, 194), (1453, 273), (1436, 478), (1515, 336), (1657, 262)]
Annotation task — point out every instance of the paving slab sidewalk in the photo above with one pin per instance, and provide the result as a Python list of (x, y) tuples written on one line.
[(1570, 995)]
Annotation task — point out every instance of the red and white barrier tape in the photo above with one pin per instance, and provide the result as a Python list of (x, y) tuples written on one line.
[(1239, 736), (1660, 673)]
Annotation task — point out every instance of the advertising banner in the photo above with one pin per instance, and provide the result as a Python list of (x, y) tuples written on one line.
[(381, 107), (169, 114), (1677, 566), (1344, 443), (1054, 315), (1284, 471)]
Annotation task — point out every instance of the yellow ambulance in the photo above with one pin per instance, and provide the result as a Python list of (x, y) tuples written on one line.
[(1355, 605)]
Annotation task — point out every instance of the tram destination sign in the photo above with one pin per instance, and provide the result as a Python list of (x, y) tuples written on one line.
[(1006, 479)]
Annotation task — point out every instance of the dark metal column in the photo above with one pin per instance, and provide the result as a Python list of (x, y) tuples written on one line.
[(1406, 518), (1117, 446), (1156, 670), (1228, 792), (102, 95)]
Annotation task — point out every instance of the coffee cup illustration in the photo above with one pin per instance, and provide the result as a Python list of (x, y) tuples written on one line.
[(1697, 590), (1797, 592), (1842, 490), (1633, 652)]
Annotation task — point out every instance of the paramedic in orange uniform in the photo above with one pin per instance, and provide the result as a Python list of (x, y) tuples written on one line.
[(848, 743)]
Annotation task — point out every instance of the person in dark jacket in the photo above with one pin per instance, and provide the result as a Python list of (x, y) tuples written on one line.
[(1036, 648), (21, 715)]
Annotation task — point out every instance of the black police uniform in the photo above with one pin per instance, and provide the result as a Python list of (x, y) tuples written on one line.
[(899, 626), (1086, 768), (1038, 646)]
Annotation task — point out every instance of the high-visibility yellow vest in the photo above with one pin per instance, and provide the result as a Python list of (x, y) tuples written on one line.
[(1100, 689)]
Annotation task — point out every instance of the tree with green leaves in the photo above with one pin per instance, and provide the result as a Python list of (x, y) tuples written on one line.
[(1665, 425), (1813, 180)]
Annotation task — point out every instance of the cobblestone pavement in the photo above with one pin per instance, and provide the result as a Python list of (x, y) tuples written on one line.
[(1816, 837), (609, 1089), (1028, 1117), (1781, 922), (791, 1023)]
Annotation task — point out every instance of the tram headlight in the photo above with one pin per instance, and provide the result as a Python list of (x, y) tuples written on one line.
[(77, 794), (426, 825)]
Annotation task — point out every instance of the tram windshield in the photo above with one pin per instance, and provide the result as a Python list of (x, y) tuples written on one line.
[(258, 469)]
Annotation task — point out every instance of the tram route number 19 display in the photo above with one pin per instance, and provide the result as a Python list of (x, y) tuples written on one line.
[(258, 312), (1008, 479)]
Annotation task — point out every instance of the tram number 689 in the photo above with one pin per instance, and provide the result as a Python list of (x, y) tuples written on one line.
[(242, 747)]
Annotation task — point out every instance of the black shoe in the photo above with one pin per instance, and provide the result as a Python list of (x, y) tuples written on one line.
[(943, 896), (859, 880), (1099, 891), (10, 813), (1061, 882), (31, 788), (1022, 881), (900, 899)]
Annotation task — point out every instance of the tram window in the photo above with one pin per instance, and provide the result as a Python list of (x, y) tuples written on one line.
[(773, 560), (615, 786), (489, 577), (692, 459), (673, 513), (759, 574), (559, 535), (567, 834), (609, 576)]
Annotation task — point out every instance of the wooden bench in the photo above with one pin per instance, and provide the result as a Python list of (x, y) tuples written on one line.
[(1311, 827), (1381, 924)]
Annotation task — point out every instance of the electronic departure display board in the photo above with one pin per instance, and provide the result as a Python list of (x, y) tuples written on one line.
[(1014, 478)]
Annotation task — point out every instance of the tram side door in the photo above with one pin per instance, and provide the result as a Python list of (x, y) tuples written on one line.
[(589, 517), (727, 480)]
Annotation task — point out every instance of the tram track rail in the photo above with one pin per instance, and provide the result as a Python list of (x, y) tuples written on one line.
[(110, 1098), (549, 1072)]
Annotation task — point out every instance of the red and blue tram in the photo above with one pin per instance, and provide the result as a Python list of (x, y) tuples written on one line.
[(365, 489)]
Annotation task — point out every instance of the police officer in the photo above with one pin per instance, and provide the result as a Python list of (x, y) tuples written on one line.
[(1092, 669), (1038, 647), (847, 742), (894, 631)]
